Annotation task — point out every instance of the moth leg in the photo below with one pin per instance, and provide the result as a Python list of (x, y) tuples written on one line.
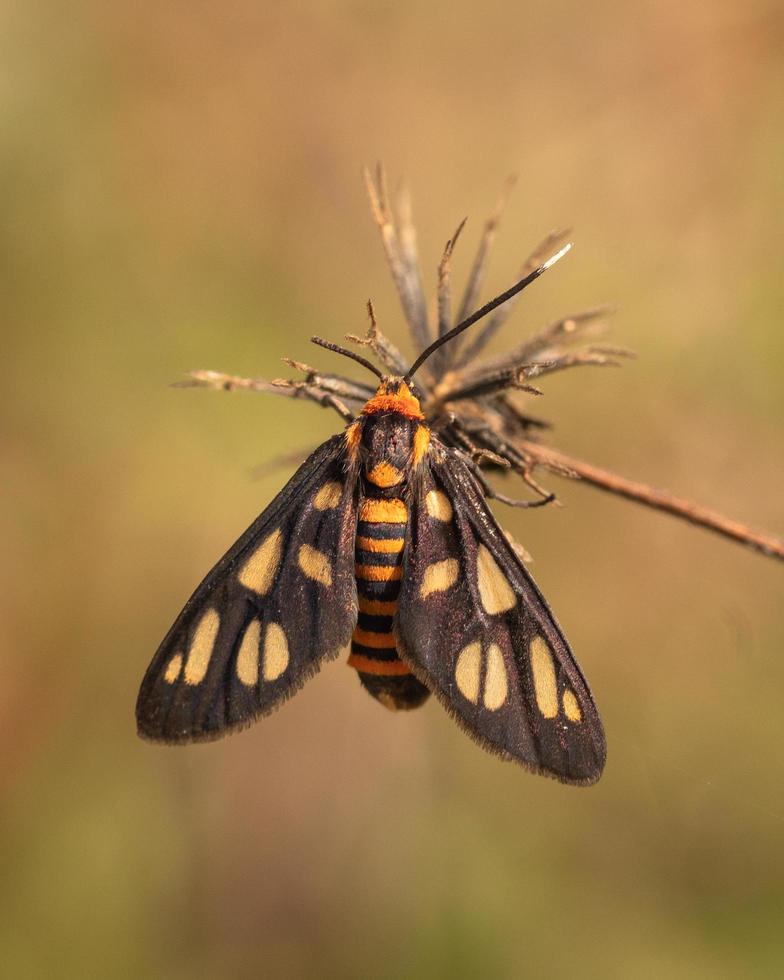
[(522, 465), (492, 494), (463, 442), (548, 495), (514, 502), (503, 456), (495, 450)]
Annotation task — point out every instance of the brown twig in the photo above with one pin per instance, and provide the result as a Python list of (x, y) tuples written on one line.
[(399, 241), (386, 352), (563, 465), (315, 392)]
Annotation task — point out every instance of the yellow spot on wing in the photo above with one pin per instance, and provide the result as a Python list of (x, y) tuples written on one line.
[(375, 511), (467, 669), (543, 671), (315, 564), (439, 576), (438, 506), (258, 572), (200, 650), (276, 652), (494, 589), (496, 686), (571, 707), (421, 444), (173, 668), (328, 496), (353, 436), (384, 474), (248, 656)]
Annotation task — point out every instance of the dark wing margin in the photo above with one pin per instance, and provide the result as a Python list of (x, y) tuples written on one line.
[(474, 628), (280, 602)]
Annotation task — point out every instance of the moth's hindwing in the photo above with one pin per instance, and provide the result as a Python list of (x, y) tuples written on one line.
[(274, 607), (475, 629)]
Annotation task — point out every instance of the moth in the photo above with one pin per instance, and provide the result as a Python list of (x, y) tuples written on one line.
[(383, 541)]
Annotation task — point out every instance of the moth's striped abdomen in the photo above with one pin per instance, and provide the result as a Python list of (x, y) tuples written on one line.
[(378, 567)]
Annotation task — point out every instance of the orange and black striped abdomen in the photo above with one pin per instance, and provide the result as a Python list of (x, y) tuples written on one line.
[(379, 564)]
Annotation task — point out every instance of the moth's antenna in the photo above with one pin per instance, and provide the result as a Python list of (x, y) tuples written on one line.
[(328, 345), (484, 310)]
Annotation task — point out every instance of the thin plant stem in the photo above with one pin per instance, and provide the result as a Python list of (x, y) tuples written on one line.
[(563, 465)]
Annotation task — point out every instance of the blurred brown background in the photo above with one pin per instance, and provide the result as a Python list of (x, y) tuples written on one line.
[(180, 189)]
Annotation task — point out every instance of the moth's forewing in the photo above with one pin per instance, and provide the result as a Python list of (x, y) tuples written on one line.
[(476, 630), (279, 602)]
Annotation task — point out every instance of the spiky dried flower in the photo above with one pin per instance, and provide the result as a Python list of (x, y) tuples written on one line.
[(472, 401)]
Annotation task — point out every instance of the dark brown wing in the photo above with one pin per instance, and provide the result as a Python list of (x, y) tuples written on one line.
[(475, 629), (281, 601)]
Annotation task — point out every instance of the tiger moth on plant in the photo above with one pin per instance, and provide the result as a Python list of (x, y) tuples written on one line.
[(383, 540)]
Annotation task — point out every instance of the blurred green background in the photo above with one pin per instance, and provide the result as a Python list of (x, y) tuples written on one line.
[(181, 189)]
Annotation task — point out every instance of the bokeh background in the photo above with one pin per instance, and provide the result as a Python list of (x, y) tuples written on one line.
[(181, 189)]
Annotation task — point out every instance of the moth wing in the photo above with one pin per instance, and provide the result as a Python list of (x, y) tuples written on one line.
[(279, 602), (474, 628)]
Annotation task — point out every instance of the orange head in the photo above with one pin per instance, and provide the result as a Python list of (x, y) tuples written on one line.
[(394, 395), (390, 437)]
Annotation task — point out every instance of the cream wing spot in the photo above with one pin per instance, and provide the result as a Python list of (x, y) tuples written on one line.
[(467, 669), (496, 685), (201, 647), (439, 576), (258, 572), (494, 589), (545, 684), (328, 496), (276, 652), (248, 656), (421, 444), (571, 706), (438, 506), (315, 564), (173, 669)]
